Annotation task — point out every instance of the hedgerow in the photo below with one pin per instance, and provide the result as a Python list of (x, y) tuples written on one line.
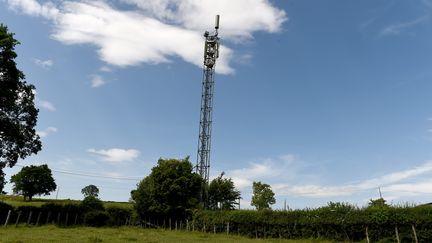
[(337, 221)]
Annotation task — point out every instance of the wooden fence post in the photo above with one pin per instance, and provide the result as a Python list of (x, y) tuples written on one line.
[(48, 217), (76, 219), (214, 229), (415, 234), (187, 224), (67, 218), (7, 218), (176, 225), (228, 228), (367, 235), (170, 223), (18, 218), (58, 218), (397, 234), (29, 217), (38, 218), (193, 225)]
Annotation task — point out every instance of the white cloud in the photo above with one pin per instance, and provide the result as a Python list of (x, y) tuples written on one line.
[(43, 63), (235, 22), (267, 168), (34, 8), (386, 181), (45, 104), (105, 69), (289, 176), (396, 29), (116, 154), (97, 81), (46, 131), (158, 30)]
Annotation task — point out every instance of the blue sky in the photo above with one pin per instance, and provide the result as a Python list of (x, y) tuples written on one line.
[(324, 101)]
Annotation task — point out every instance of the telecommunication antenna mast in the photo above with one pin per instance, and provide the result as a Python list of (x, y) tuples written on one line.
[(211, 53)]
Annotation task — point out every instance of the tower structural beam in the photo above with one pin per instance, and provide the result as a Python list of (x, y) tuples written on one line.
[(211, 53)]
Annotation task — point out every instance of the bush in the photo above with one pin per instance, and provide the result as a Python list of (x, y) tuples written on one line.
[(92, 203), (336, 222), (96, 218), (4, 209), (118, 215)]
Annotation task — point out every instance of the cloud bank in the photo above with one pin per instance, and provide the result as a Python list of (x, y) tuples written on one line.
[(154, 31)]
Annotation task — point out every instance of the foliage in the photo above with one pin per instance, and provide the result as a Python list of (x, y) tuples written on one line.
[(90, 190), (33, 180), (119, 216), (378, 203), (18, 114), (222, 194), (96, 218), (4, 209), (91, 203), (171, 190), (336, 221), (262, 196)]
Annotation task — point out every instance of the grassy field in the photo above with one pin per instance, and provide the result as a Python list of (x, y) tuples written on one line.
[(37, 202), (124, 234)]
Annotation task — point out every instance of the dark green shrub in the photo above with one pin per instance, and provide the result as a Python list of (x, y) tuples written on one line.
[(4, 209), (118, 215), (92, 203), (96, 218)]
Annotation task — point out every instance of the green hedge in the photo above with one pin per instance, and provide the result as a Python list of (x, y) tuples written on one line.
[(339, 222), (65, 215)]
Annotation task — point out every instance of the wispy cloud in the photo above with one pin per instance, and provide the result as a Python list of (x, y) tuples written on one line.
[(265, 168), (97, 81), (116, 154), (122, 37), (34, 8), (396, 29), (105, 69), (385, 181), (45, 104), (282, 172), (46, 131), (43, 63)]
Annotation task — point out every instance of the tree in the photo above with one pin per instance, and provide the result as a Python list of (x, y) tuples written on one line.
[(263, 196), (33, 180), (171, 190), (18, 114), (92, 203), (222, 193), (90, 190), (378, 203)]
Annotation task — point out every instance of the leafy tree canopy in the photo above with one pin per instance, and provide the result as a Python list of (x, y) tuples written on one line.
[(33, 180), (263, 196), (92, 203), (90, 190), (171, 190), (222, 194), (18, 114), (378, 203)]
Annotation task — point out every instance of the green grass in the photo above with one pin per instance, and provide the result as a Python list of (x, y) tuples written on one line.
[(52, 233), (17, 201)]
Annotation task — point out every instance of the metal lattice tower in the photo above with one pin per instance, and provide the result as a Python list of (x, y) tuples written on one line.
[(211, 53)]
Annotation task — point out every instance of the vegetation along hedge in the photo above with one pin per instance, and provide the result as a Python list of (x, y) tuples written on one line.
[(337, 221), (65, 215)]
